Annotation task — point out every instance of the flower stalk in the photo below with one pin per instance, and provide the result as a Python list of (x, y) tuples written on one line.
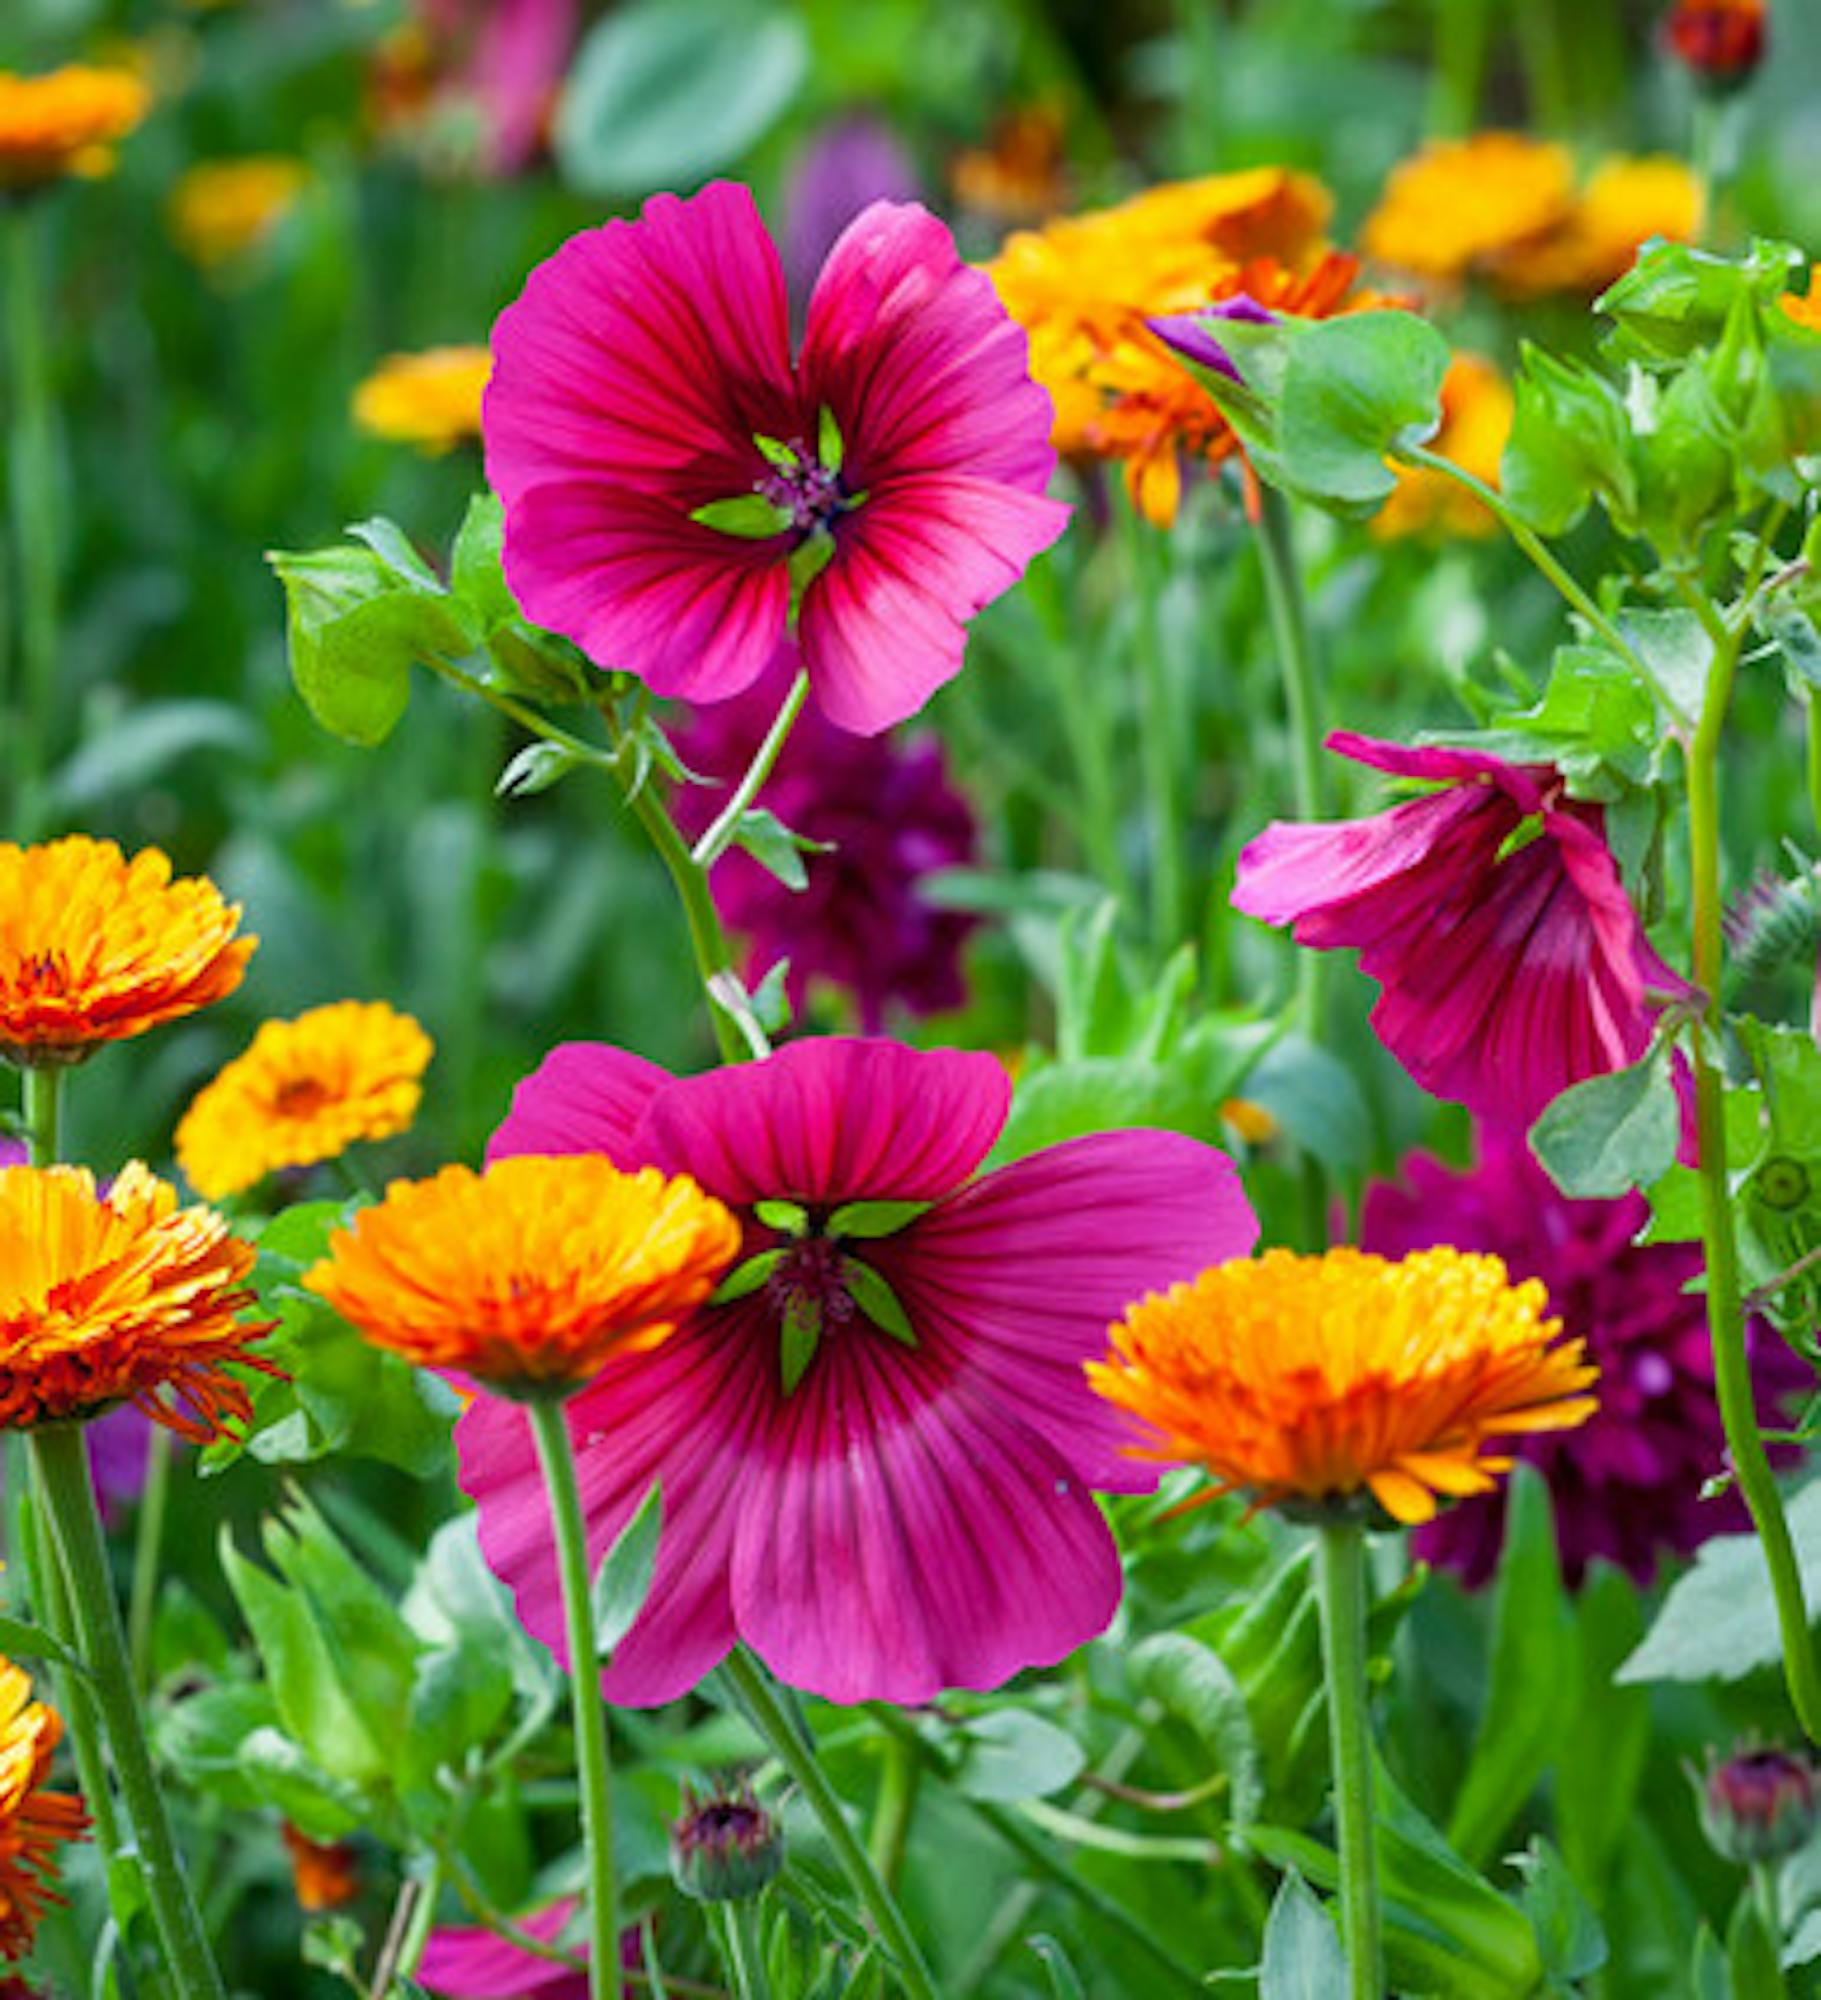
[(61, 1463), (556, 1454), (1340, 1564), (33, 508)]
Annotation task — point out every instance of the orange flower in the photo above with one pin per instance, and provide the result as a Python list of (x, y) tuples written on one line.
[(1624, 205), (1805, 307), (66, 122), (1722, 41), (325, 1874), (1312, 1379), (1022, 175), (431, 400), (531, 1274), (222, 209), (33, 1822), (119, 1297), (306, 1090), (1477, 407), (94, 947)]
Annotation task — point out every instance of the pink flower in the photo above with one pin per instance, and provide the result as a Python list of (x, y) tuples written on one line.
[(507, 58), (1492, 915), (467, 1964), (904, 1518), (895, 470)]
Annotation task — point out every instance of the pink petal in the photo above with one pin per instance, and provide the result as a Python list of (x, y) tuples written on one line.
[(906, 1533), (460, 1963), (885, 624), (832, 1120), (584, 1097), (1022, 1273), (640, 587), (518, 63), (1523, 784), (646, 353), (924, 369)]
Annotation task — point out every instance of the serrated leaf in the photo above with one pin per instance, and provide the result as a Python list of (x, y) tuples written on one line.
[(623, 1581)]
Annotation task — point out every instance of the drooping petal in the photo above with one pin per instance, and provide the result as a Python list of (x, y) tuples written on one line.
[(885, 624), (904, 1533), (1024, 1271), (832, 1120), (584, 1097), (643, 589)]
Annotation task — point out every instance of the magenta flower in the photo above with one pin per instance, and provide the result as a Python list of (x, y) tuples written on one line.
[(1627, 1484), (670, 475), (507, 58), (892, 1512), (889, 815), (468, 1964), (1492, 915)]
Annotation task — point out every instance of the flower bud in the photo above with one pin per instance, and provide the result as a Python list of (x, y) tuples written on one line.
[(1760, 1805), (1721, 41), (724, 1849)]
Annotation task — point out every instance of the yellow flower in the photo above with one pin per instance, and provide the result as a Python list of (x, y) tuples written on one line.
[(1461, 202), (431, 400), (1477, 407), (65, 122), (1805, 307), (33, 1822), (306, 1090), (1624, 205), (221, 209), (119, 1297), (1314, 1379), (532, 1274), (94, 947)]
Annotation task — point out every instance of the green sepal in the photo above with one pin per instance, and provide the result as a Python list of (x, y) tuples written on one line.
[(776, 452), (798, 1338), (877, 1301), (831, 447), (749, 516), (745, 1279), (789, 1218), (875, 1218)]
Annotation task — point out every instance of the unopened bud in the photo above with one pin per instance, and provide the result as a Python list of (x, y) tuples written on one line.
[(1759, 1805), (1721, 41), (724, 1848)]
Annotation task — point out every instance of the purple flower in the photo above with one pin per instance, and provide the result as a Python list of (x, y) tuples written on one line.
[(468, 1964), (1190, 335), (889, 813), (1627, 1484), (673, 477), (1491, 913), (846, 166), (878, 1460)]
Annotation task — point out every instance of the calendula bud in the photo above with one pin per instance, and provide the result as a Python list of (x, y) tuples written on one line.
[(724, 1848), (1759, 1805), (1721, 41)]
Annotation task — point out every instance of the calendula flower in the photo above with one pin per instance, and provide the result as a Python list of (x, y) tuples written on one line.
[(34, 1822), (1721, 41), (875, 1443), (306, 1090), (531, 1275), (1316, 1380), (66, 122), (678, 489), (1628, 1484), (1021, 174), (119, 1296), (1625, 204), (1477, 406), (1491, 913), (95, 948), (471, 84), (325, 1875), (888, 814), (431, 400), (223, 209), (1805, 307)]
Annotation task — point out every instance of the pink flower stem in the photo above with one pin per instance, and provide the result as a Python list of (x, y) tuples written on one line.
[(1725, 1308)]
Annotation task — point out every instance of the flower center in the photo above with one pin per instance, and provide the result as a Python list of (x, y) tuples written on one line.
[(812, 1279), (300, 1097), (806, 490)]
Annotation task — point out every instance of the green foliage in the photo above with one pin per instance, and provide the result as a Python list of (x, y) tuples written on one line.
[(1194, 1685), (1009, 1754), (1303, 1959), (623, 1581), (1612, 1133)]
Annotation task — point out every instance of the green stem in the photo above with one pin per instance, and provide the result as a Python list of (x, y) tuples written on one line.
[(556, 1454), (740, 1956), (43, 1108), (799, 1759), (893, 1810), (1548, 65), (720, 836), (60, 1457), (1085, 723), (1725, 1310), (1814, 759), (34, 507), (148, 1544), (1463, 36), (1341, 1582), (1159, 737)]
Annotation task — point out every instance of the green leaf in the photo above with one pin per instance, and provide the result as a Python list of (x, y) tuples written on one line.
[(798, 1338), (21, 1640), (201, 1734), (870, 1219), (1317, 1100), (279, 1772), (1531, 1678), (459, 1695), (1010, 1754), (750, 517), (777, 848), (1193, 1683), (535, 769), (623, 1581), (1611, 1133), (1719, 1620), (398, 552), (476, 566), (1793, 634), (665, 93), (1303, 1959), (1065, 1982), (1601, 1759), (1354, 388), (1103, 1094), (1752, 1963), (876, 1299), (1676, 299), (1570, 444), (1567, 1931)]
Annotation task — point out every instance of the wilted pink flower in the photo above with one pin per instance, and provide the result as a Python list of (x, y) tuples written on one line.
[(1627, 1484), (467, 1964), (877, 1462), (1492, 915), (890, 816), (670, 474)]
